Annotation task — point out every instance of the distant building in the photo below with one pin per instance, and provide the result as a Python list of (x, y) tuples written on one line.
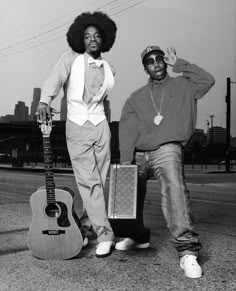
[(199, 136), (34, 103), (216, 134), (7, 118), (21, 112), (63, 108), (107, 110), (233, 142)]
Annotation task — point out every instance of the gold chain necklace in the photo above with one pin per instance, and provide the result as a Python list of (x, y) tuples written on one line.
[(158, 118)]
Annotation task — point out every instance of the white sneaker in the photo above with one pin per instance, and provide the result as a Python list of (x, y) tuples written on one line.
[(129, 244), (85, 242), (104, 249), (190, 266)]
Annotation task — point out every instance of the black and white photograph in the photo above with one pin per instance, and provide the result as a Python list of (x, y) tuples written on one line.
[(118, 145)]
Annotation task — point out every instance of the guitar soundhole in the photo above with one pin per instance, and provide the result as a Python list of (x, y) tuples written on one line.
[(52, 211)]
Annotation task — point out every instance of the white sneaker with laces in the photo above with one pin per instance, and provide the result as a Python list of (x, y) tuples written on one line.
[(130, 244), (190, 266), (104, 249), (85, 242)]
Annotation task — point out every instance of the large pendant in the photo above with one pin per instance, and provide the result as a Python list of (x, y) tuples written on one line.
[(158, 119)]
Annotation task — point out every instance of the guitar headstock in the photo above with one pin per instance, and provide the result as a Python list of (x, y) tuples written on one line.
[(46, 127)]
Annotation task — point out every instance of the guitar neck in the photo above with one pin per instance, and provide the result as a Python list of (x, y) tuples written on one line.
[(48, 164)]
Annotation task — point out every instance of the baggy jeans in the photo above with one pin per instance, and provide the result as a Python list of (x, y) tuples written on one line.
[(89, 150), (166, 165)]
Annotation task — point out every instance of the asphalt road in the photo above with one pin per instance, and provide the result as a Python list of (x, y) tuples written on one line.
[(213, 199)]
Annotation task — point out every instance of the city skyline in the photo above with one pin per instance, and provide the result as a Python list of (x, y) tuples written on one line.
[(22, 112), (211, 135)]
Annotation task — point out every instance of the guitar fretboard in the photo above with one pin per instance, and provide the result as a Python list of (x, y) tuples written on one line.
[(48, 164)]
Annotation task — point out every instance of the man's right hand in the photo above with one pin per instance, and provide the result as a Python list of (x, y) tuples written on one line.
[(43, 112)]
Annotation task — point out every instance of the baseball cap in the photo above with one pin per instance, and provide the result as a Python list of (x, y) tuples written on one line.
[(151, 48)]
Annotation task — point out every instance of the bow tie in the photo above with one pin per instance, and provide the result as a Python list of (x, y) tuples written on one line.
[(97, 62)]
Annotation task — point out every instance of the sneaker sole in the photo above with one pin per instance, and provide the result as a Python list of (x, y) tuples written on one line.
[(134, 247), (197, 276), (193, 277), (105, 255), (85, 243)]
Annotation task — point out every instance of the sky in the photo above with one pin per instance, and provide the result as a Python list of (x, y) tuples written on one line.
[(33, 37)]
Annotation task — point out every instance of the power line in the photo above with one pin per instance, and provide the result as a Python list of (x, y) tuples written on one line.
[(6, 49), (28, 45), (21, 44), (32, 38), (127, 8), (120, 5), (7, 53)]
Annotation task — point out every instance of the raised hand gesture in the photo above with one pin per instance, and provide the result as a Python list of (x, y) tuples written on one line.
[(170, 57)]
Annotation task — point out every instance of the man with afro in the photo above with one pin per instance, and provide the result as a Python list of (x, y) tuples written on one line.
[(86, 79)]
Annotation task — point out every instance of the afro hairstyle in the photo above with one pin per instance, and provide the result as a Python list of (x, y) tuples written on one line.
[(106, 26)]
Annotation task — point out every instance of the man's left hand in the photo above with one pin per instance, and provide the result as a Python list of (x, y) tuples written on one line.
[(170, 57)]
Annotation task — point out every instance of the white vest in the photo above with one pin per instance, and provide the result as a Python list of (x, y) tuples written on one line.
[(77, 110)]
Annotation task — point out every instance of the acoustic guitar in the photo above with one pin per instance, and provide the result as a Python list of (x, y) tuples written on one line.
[(54, 232)]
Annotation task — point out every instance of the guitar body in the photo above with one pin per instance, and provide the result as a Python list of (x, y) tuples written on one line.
[(54, 231)]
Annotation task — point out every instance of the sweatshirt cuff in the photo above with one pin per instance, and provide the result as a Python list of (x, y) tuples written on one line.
[(179, 65)]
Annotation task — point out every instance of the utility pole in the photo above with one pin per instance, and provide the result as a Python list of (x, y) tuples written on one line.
[(228, 114), (207, 145), (212, 116), (208, 124)]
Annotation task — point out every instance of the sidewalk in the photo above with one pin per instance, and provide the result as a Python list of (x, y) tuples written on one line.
[(153, 269), (59, 167)]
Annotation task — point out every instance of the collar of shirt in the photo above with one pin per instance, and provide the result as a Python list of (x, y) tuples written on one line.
[(90, 60), (156, 83)]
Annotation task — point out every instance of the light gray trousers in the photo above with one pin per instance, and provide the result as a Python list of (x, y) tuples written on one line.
[(89, 150)]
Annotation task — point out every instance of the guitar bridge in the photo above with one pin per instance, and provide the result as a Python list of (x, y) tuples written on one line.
[(54, 232)]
